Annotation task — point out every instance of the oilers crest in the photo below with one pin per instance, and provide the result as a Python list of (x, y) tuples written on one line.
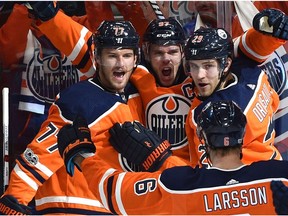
[(47, 75), (166, 115), (275, 69)]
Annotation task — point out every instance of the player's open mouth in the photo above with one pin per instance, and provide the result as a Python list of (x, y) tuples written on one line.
[(166, 71), (202, 85), (118, 74)]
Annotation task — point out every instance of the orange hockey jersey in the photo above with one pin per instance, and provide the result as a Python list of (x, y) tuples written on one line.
[(258, 100), (39, 171), (186, 191), (165, 108), (276, 66)]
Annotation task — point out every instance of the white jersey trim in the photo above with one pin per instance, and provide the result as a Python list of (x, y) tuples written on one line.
[(79, 45), (25, 177), (251, 51), (31, 107), (101, 187), (118, 193), (67, 199)]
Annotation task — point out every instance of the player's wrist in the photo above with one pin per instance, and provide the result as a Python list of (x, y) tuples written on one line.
[(78, 159)]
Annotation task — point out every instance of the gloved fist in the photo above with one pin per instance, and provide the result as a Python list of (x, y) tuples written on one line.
[(74, 140), (273, 22), (43, 10), (9, 205), (280, 197), (140, 145)]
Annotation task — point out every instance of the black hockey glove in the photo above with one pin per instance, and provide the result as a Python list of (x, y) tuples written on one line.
[(73, 140), (140, 145), (9, 205), (273, 22), (280, 197), (43, 10)]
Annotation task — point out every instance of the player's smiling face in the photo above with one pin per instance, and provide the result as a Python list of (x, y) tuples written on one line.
[(165, 61), (115, 68), (205, 74)]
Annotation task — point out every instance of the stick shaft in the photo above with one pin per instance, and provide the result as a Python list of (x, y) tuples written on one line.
[(5, 104), (157, 10)]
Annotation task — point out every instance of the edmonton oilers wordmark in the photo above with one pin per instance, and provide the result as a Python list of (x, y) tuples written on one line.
[(166, 115), (47, 76)]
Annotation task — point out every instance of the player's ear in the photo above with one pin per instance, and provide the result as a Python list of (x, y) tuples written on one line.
[(227, 64)]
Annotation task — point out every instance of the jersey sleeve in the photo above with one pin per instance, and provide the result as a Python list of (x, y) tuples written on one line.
[(13, 36), (72, 38), (38, 162), (257, 46), (116, 189)]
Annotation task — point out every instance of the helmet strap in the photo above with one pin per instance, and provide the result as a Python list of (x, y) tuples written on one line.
[(208, 158)]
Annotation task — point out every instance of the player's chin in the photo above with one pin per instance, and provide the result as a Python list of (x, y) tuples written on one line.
[(120, 86)]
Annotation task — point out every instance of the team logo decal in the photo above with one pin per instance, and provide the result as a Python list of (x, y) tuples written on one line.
[(169, 124), (31, 157), (166, 115), (47, 76)]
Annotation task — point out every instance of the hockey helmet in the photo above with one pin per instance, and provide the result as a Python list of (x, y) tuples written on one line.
[(221, 124), (164, 32), (116, 34), (209, 43)]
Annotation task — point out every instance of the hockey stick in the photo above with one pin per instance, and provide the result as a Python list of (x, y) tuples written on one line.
[(5, 110), (157, 10)]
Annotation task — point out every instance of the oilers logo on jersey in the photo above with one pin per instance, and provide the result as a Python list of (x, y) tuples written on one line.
[(166, 115)]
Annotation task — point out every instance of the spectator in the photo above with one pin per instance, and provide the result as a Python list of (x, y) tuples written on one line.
[(35, 71)]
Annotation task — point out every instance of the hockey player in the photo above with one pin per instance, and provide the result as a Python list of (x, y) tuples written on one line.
[(229, 187), (103, 101), (167, 95), (166, 98), (165, 90), (209, 57)]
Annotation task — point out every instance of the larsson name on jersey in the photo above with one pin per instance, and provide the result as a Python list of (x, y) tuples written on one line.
[(260, 108), (235, 199)]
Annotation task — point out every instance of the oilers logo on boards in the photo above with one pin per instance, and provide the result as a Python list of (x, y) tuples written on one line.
[(166, 115), (48, 75), (274, 67)]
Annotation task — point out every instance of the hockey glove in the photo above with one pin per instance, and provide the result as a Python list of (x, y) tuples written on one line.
[(9, 205), (74, 140), (140, 145), (280, 197), (43, 10), (273, 22)]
